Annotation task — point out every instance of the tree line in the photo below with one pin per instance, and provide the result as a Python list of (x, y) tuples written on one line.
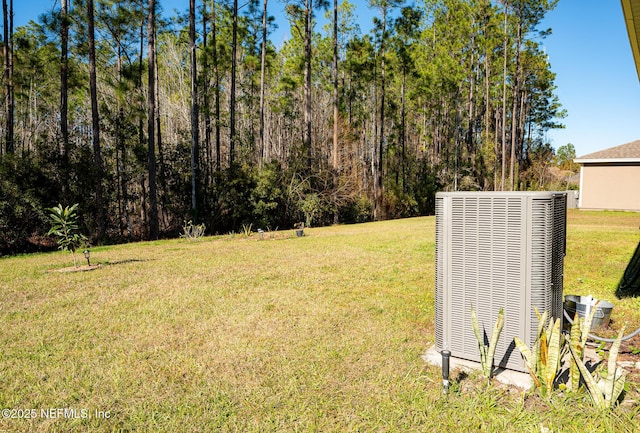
[(148, 120)]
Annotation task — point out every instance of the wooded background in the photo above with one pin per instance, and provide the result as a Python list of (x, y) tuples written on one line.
[(148, 120)]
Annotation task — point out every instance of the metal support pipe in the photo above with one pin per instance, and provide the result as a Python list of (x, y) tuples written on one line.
[(445, 370)]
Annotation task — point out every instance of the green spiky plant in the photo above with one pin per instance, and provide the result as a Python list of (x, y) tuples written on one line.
[(487, 352), (64, 225), (578, 339), (193, 231), (543, 360), (604, 389)]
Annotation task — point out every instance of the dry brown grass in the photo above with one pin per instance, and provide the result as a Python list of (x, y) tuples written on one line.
[(320, 333)]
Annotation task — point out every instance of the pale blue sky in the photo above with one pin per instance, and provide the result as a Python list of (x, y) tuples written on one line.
[(588, 50), (596, 77)]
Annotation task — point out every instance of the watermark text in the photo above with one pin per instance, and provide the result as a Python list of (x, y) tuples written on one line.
[(55, 413)]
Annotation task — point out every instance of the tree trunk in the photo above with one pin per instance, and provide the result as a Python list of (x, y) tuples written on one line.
[(8, 76), (95, 123), (216, 75), (403, 129), (514, 117), (263, 55), (141, 140), (195, 130), (335, 111), (161, 169), (12, 101), (232, 96), (470, 136), (206, 83), (487, 113), (5, 76), (307, 81), (151, 109), (521, 135), (121, 165), (64, 78), (504, 104), (379, 175)]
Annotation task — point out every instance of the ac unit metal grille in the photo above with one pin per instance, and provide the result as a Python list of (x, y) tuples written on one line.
[(440, 268), (493, 251)]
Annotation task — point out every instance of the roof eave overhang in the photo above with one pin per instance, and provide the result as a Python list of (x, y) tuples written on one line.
[(631, 11), (607, 161)]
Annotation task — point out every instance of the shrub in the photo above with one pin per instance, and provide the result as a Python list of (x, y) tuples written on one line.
[(64, 225), (192, 231)]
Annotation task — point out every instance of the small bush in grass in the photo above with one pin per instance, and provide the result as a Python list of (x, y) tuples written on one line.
[(64, 225), (193, 231)]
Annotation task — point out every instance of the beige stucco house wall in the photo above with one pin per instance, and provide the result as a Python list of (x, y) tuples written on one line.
[(610, 178)]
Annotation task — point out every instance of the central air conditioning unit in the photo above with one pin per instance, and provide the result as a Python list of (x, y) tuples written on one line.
[(497, 250)]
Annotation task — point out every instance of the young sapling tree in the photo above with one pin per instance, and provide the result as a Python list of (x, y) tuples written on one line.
[(64, 225)]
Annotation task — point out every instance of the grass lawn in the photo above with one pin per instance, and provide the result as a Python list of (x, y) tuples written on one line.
[(320, 333)]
